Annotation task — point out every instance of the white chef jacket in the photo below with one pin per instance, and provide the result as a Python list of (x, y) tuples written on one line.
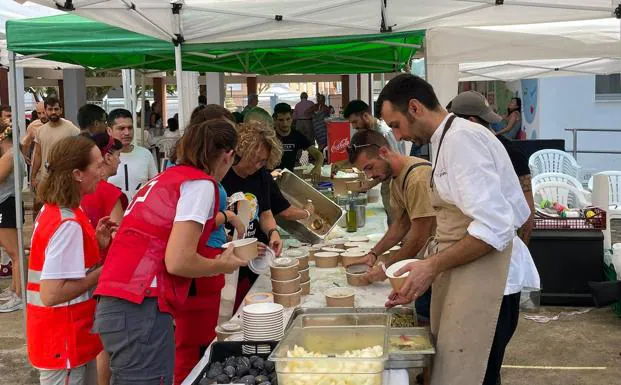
[(473, 171)]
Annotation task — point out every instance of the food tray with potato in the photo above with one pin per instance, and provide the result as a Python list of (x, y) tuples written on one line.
[(348, 355), (401, 316)]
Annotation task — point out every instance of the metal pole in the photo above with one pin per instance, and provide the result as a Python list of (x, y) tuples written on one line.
[(17, 174), (132, 77), (143, 113), (178, 74), (575, 149)]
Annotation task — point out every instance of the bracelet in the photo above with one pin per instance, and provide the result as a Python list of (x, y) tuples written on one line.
[(226, 218), (269, 233), (307, 213), (373, 253)]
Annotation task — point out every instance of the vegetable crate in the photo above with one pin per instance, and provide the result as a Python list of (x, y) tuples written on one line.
[(221, 351), (595, 222)]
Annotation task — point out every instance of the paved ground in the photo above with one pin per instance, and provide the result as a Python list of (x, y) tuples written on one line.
[(579, 350)]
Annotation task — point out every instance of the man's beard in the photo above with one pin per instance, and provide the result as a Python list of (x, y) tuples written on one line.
[(54, 118)]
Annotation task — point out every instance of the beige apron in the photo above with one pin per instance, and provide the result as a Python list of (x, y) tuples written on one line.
[(465, 302)]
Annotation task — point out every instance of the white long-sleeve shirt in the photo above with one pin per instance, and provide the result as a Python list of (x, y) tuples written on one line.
[(473, 171)]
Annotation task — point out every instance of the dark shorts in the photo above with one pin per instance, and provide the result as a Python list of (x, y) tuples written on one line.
[(139, 339), (8, 219)]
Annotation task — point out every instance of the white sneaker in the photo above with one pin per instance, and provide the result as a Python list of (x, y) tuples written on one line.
[(6, 294), (13, 304)]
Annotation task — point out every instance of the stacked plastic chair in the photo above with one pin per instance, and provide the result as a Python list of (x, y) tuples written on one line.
[(545, 161), (561, 178), (560, 192)]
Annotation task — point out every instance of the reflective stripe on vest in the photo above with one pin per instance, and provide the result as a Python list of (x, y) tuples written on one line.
[(33, 297)]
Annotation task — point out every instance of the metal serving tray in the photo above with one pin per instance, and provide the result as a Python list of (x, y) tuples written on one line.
[(404, 360), (298, 192), (346, 310)]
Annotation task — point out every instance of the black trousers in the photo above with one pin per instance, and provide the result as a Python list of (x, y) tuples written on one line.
[(507, 323)]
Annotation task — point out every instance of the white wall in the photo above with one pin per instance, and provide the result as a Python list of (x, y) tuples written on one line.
[(569, 102)]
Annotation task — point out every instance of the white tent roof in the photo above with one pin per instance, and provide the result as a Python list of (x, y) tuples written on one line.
[(244, 20), (10, 10), (530, 50)]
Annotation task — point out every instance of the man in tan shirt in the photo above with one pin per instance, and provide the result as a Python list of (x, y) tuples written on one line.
[(31, 131), (409, 197), (47, 136)]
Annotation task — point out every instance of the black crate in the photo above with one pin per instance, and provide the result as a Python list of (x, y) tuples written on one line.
[(222, 350)]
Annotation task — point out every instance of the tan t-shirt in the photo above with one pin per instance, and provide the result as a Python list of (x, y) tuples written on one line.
[(47, 136), (413, 197), (31, 132)]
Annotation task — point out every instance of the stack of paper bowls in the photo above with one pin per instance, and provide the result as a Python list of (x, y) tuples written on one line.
[(262, 322)]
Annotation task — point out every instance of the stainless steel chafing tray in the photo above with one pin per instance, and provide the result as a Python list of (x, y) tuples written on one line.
[(398, 359), (298, 192), (346, 310)]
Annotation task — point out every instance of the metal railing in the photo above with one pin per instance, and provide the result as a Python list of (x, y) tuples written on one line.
[(575, 151)]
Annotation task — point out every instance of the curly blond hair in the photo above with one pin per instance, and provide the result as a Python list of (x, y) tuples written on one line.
[(252, 135)]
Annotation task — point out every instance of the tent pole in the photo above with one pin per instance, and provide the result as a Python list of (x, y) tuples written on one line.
[(142, 109), (17, 174), (178, 73), (132, 78)]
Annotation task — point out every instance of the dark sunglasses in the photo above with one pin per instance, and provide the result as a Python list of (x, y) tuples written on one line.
[(353, 149)]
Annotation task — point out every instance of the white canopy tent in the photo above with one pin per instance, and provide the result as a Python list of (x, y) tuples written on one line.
[(513, 52)]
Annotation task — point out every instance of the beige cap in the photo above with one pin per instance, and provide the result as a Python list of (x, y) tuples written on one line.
[(472, 103)]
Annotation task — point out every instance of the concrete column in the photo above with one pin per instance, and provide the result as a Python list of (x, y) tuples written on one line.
[(4, 86), (353, 87), (215, 87), (363, 90), (344, 90), (159, 94), (74, 82), (251, 84)]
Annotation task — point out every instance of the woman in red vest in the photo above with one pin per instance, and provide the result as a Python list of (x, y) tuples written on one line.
[(64, 267), (106, 200), (158, 249)]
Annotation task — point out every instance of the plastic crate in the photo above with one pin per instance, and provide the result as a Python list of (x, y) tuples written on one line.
[(220, 351), (611, 274), (597, 222)]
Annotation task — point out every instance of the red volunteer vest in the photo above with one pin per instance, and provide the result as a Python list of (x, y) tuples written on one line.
[(60, 337), (136, 256)]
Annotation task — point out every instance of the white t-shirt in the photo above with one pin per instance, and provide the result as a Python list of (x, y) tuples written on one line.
[(64, 254), (135, 169)]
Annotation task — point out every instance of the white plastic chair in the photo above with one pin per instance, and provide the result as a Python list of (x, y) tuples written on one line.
[(614, 189), (553, 161), (560, 192), (561, 178)]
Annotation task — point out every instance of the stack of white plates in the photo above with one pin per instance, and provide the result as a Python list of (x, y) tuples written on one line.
[(263, 322)]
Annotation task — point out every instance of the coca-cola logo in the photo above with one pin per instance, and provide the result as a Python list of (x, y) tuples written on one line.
[(340, 145)]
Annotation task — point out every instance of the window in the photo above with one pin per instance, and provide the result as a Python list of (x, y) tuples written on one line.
[(608, 87)]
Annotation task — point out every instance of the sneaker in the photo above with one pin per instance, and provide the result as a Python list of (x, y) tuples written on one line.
[(6, 271), (13, 304), (6, 294)]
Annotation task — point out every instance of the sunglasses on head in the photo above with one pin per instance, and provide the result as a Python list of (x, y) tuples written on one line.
[(353, 149)]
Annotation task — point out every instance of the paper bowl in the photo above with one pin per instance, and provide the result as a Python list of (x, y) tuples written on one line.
[(340, 297), (358, 238), (397, 282), (338, 243), (288, 300), (286, 287), (300, 255), (326, 259), (357, 275), (305, 286), (284, 269), (246, 249), (352, 257), (304, 274)]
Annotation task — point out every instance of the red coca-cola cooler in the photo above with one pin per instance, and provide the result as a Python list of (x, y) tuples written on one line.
[(338, 140)]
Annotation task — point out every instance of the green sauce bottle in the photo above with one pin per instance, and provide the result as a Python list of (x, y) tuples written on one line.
[(352, 222)]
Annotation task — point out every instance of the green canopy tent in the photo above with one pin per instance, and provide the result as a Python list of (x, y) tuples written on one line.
[(74, 39)]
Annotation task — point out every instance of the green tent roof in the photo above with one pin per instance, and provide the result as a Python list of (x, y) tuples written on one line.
[(74, 39)]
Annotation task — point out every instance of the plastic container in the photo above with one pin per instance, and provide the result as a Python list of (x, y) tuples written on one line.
[(331, 342)]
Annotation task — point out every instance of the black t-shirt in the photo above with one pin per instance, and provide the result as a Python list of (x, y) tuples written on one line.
[(518, 158), (257, 188), (278, 202), (291, 144)]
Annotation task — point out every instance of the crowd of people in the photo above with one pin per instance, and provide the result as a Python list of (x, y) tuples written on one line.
[(126, 261)]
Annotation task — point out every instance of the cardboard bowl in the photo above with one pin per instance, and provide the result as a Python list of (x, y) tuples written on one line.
[(352, 257), (286, 287), (305, 286), (340, 297), (304, 274), (284, 269), (397, 282), (246, 249), (326, 259), (357, 275), (289, 300)]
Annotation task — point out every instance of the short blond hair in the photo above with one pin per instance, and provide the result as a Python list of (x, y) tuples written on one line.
[(252, 135)]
